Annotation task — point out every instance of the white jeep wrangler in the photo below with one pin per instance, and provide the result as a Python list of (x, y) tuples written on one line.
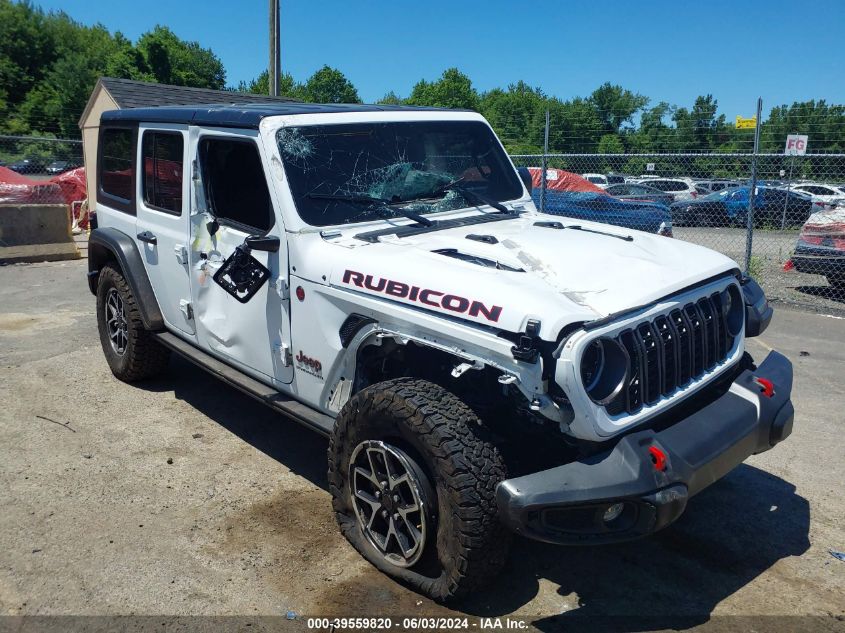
[(381, 275)]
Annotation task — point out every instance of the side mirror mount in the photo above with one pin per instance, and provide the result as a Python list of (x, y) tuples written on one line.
[(267, 243), (525, 176)]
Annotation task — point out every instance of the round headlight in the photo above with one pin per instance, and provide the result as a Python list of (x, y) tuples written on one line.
[(733, 309), (604, 367)]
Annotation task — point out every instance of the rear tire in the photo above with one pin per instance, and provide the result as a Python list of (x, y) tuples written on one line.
[(131, 351), (440, 443)]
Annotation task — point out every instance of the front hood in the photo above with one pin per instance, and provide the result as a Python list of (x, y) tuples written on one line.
[(558, 276)]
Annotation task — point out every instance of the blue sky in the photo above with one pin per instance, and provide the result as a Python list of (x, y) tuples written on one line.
[(784, 51)]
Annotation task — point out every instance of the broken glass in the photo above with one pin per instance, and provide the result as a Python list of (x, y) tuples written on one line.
[(335, 170)]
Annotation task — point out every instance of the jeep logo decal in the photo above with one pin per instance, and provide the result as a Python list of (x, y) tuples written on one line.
[(434, 298), (309, 365)]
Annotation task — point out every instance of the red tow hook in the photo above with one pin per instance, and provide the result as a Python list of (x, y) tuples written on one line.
[(766, 384), (658, 458)]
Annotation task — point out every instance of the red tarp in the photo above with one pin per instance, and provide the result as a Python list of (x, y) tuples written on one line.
[(18, 189), (559, 180), (66, 188)]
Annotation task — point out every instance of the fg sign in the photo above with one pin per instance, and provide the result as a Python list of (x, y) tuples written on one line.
[(796, 145)]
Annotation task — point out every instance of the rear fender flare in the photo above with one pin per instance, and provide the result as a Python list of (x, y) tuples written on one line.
[(109, 244)]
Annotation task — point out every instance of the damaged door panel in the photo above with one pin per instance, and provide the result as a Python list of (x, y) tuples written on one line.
[(239, 310)]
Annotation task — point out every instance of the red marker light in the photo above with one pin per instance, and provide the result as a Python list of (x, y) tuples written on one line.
[(768, 387), (300, 293), (658, 458)]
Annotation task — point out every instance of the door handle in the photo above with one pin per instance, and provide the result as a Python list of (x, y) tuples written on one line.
[(147, 237)]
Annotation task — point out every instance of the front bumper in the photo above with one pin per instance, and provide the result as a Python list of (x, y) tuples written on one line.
[(567, 504)]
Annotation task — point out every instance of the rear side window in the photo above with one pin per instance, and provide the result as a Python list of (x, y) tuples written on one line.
[(116, 164), (162, 176), (236, 190), (670, 185)]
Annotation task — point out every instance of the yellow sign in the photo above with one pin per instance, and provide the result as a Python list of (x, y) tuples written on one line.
[(744, 124)]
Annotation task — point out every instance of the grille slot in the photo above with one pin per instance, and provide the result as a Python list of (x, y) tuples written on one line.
[(670, 351)]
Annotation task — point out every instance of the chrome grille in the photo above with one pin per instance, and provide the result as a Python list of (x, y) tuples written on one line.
[(669, 352)]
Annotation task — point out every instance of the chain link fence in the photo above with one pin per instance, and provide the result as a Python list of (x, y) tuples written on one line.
[(793, 244), (41, 170)]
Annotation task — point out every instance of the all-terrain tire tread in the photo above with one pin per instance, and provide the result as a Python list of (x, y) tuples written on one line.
[(145, 356), (470, 466)]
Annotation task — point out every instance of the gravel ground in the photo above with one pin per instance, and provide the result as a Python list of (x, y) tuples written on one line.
[(771, 249), (181, 496)]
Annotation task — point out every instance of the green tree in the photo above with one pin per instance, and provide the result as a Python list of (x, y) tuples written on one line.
[(823, 123), (329, 85), (615, 106), (518, 116), (610, 144), (391, 98), (174, 61), (261, 85), (453, 90)]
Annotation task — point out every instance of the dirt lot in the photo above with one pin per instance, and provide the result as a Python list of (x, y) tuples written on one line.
[(770, 250), (181, 496)]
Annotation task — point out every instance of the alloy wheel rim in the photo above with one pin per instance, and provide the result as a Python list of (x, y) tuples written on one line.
[(390, 501), (116, 325)]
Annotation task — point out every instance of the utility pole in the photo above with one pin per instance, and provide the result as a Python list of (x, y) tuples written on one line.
[(274, 67), (752, 194)]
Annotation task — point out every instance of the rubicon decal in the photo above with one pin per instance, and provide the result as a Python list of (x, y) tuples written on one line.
[(309, 365), (426, 296)]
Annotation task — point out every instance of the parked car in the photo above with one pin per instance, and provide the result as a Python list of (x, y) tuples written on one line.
[(821, 193), (478, 367), (709, 186), (603, 180), (730, 206), (60, 166), (641, 216), (680, 188), (27, 166), (635, 191), (820, 249), (574, 196)]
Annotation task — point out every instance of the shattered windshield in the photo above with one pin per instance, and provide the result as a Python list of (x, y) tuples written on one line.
[(346, 173)]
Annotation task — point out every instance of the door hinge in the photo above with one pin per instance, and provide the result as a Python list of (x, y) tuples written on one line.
[(186, 308), (181, 254), (282, 287), (285, 355)]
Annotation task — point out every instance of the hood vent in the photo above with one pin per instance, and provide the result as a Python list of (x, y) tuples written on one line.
[(477, 260), (487, 239)]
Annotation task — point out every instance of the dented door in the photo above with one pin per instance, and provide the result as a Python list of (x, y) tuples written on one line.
[(231, 201)]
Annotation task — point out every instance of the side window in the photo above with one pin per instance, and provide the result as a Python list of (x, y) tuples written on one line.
[(162, 175), (117, 168), (235, 187)]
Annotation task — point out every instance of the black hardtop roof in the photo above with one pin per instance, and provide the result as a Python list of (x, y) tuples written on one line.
[(244, 115)]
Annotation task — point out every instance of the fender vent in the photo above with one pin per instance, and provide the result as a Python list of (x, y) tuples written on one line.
[(477, 260), (351, 326)]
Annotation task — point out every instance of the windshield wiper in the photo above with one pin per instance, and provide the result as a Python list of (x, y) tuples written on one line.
[(379, 203)]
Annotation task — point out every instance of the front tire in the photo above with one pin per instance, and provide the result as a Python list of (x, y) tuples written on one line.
[(413, 475), (130, 350)]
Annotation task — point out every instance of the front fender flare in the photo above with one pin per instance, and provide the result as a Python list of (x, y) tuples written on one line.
[(107, 244)]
